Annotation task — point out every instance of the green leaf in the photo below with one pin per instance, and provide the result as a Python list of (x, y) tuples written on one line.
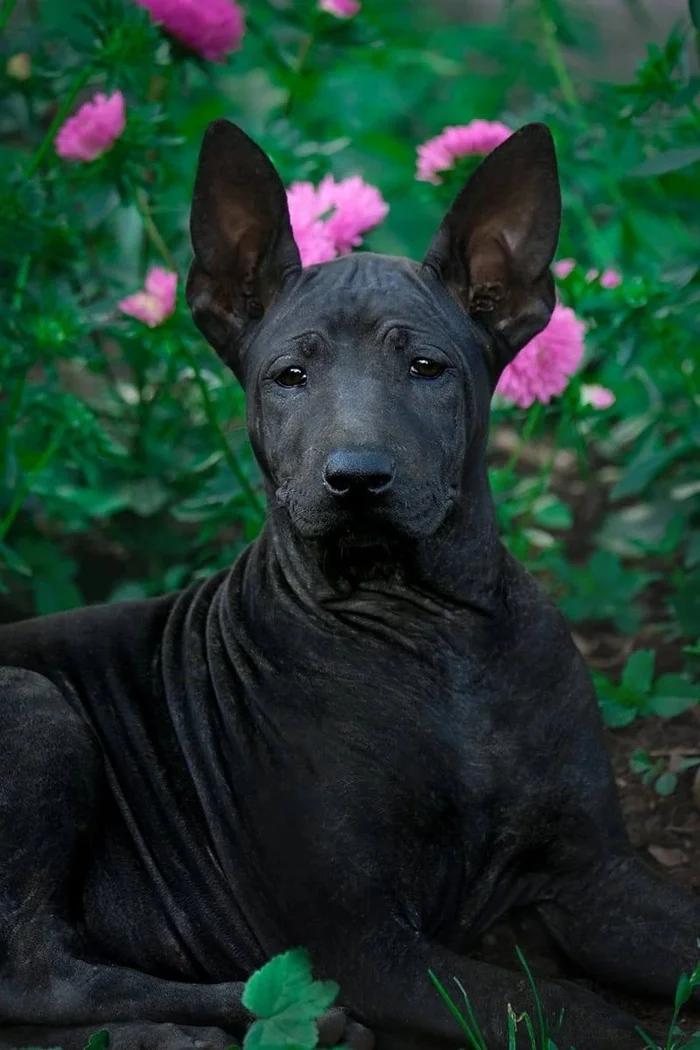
[(642, 469), (640, 762), (55, 595), (285, 989), (694, 11), (674, 694), (552, 513), (279, 983), (276, 1033), (98, 1041), (639, 671), (617, 716), (666, 784), (672, 160), (683, 991), (145, 497)]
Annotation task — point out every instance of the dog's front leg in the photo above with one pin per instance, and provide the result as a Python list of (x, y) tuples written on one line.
[(387, 987), (627, 925)]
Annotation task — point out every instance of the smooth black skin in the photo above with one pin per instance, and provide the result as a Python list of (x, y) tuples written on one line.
[(374, 735)]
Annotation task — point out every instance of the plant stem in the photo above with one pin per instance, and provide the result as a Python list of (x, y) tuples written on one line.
[(556, 59), (144, 209), (302, 58), (23, 489), (531, 422), (6, 12), (21, 282), (229, 455), (78, 84)]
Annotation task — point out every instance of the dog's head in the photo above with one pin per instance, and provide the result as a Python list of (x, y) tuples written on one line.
[(369, 378)]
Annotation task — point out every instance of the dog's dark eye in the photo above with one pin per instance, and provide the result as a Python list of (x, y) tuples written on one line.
[(425, 368), (292, 377)]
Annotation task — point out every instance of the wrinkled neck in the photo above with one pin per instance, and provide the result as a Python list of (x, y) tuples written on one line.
[(459, 566)]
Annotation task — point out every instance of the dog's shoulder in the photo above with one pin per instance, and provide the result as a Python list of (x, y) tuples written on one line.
[(539, 649), (68, 645)]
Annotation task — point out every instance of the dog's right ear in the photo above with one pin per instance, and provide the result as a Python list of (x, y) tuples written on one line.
[(244, 249)]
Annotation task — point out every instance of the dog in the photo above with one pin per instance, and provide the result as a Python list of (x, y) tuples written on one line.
[(373, 735)]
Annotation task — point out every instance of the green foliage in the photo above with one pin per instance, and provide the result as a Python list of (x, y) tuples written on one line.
[(537, 1034), (676, 1038), (638, 694), (656, 771), (98, 1041), (287, 1001), (124, 465)]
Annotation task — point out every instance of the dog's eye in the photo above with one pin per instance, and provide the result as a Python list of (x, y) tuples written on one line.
[(292, 377), (425, 368)]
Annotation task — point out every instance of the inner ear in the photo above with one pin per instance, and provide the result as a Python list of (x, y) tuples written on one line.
[(494, 247), (244, 249)]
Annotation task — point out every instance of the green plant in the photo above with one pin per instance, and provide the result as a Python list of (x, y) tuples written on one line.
[(676, 1039), (638, 693)]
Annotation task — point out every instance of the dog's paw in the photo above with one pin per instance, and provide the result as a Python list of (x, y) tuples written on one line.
[(335, 1028)]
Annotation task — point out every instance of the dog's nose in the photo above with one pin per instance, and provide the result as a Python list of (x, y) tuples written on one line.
[(358, 472)]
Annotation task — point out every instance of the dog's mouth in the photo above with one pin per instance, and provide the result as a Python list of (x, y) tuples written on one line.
[(376, 526), (353, 554)]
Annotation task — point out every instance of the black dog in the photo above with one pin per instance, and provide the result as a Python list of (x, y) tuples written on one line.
[(373, 735)]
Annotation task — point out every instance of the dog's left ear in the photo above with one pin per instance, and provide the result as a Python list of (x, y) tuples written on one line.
[(244, 249), (495, 245)]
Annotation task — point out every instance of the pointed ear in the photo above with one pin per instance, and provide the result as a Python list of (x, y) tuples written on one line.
[(495, 245), (244, 250)]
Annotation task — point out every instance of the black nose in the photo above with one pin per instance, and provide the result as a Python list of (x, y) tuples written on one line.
[(358, 472)]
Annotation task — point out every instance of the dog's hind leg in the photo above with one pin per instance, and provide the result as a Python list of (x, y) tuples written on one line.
[(51, 993), (51, 784)]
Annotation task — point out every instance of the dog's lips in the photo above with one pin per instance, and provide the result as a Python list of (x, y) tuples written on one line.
[(361, 522)]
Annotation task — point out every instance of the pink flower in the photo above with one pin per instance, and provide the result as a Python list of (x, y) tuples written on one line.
[(596, 396), (330, 219), (544, 366), (564, 267), (212, 28), (441, 152), (156, 301), (93, 129), (607, 279), (340, 8), (355, 208), (610, 279), (315, 243)]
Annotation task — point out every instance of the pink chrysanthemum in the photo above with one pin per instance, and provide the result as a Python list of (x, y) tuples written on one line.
[(440, 153), (93, 129), (355, 207), (545, 365), (596, 396), (564, 267), (330, 219), (314, 242), (340, 8), (155, 301), (212, 28)]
